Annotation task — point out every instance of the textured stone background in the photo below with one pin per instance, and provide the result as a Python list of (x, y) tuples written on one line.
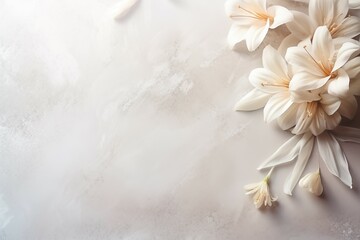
[(126, 129)]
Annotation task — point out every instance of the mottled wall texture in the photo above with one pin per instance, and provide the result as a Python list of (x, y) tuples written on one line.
[(125, 129)]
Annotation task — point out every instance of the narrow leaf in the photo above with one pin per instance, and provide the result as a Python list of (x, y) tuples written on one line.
[(299, 167), (334, 157), (287, 152)]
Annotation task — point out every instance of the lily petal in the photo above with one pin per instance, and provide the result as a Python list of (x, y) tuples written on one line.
[(318, 124), (330, 103), (306, 96), (334, 157), (352, 67), (306, 81), (256, 35), (266, 81), (355, 87), (354, 4), (253, 100), (321, 11), (301, 61), (301, 26), (303, 121), (289, 41), (273, 61), (288, 118), (240, 12), (348, 107), (348, 28), (339, 86), (344, 54), (299, 167), (276, 106), (280, 14), (341, 8), (332, 121), (322, 45)]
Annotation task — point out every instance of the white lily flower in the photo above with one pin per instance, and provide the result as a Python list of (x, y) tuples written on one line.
[(252, 21), (312, 183), (261, 192), (271, 88), (320, 64), (330, 13), (307, 112)]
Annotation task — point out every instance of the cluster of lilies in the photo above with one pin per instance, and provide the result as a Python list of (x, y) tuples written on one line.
[(308, 85)]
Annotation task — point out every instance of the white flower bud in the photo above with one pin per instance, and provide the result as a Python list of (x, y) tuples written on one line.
[(312, 183)]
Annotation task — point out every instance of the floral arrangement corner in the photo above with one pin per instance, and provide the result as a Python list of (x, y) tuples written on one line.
[(308, 85)]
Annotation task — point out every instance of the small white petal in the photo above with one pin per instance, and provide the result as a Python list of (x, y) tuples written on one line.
[(334, 157), (253, 100)]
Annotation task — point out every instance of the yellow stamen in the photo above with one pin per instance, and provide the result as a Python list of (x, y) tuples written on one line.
[(324, 69), (255, 15)]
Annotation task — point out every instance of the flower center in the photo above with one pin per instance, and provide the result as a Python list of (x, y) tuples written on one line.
[(333, 28), (311, 108), (253, 14), (327, 70)]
